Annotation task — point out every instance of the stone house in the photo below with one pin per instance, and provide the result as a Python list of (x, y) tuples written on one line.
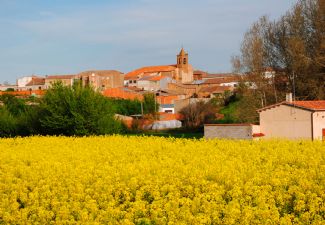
[(67, 80), (102, 79)]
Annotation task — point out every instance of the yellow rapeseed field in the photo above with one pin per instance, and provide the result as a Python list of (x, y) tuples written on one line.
[(152, 180)]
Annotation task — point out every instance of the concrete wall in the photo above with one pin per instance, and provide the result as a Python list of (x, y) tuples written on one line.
[(318, 125), (33, 87), (229, 131), (256, 129), (286, 122), (146, 85), (106, 82), (5, 87)]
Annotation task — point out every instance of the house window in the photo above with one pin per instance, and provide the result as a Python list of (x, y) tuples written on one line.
[(184, 61)]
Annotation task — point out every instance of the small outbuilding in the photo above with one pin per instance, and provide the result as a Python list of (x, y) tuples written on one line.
[(294, 120)]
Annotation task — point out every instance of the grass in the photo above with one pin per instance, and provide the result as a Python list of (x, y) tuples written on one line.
[(229, 112)]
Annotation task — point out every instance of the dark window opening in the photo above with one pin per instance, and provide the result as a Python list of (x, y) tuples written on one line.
[(184, 61)]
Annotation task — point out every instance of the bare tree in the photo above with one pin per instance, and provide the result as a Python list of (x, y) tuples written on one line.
[(196, 114)]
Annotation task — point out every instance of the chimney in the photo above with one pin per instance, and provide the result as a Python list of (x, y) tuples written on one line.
[(289, 97)]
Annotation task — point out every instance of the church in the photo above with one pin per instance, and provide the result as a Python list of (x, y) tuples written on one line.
[(181, 72)]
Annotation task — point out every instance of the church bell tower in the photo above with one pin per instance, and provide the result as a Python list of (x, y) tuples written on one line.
[(182, 61)]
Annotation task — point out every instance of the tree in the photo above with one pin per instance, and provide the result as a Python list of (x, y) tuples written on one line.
[(8, 124), (14, 105), (196, 114), (77, 111), (294, 46), (150, 105)]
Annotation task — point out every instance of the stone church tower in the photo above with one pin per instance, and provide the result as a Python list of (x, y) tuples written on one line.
[(185, 70), (182, 60)]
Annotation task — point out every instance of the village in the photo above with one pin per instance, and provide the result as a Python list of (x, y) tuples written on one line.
[(143, 112), (178, 85)]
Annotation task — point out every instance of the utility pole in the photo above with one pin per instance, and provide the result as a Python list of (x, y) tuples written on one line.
[(155, 105)]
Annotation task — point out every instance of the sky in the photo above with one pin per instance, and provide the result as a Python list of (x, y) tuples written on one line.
[(46, 37)]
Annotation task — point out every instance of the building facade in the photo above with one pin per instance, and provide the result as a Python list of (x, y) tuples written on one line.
[(294, 120), (181, 72)]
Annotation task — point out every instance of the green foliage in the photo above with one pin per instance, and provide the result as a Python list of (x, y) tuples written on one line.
[(125, 106), (14, 105), (150, 105), (10, 89), (77, 111), (8, 126), (229, 112)]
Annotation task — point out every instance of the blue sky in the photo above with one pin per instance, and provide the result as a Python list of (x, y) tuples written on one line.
[(46, 37)]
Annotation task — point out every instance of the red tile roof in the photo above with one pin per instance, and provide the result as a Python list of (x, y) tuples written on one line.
[(157, 78), (314, 105), (123, 93), (36, 81), (149, 69), (318, 105)]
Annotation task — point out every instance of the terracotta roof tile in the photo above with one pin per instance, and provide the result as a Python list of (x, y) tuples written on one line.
[(157, 78), (314, 105), (149, 69), (318, 105), (123, 93), (36, 81)]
